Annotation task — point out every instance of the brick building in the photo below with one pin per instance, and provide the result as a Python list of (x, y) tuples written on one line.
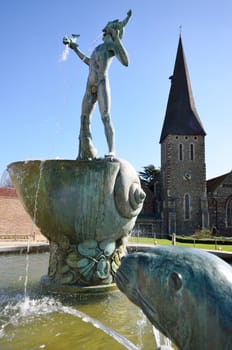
[(188, 203), (15, 223)]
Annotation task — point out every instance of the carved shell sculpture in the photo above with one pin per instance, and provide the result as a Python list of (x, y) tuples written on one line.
[(128, 193), (88, 263)]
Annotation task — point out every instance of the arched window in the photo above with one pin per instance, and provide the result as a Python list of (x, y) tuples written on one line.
[(229, 213), (181, 151), (191, 151), (186, 206)]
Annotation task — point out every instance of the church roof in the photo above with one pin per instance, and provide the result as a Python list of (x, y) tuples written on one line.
[(214, 183), (181, 116)]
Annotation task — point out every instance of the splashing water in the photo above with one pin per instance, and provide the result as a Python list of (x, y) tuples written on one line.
[(18, 312), (28, 323), (64, 54)]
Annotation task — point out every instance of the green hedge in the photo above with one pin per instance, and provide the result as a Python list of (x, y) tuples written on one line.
[(192, 240)]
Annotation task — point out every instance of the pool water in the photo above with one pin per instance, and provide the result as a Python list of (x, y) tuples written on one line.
[(31, 320)]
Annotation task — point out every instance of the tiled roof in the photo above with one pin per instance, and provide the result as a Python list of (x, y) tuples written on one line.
[(214, 183)]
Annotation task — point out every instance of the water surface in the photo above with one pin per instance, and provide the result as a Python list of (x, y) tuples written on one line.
[(35, 320)]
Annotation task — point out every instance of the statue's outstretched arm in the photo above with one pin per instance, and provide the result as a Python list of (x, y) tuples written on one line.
[(80, 54)]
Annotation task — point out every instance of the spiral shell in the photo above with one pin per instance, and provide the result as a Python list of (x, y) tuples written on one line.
[(136, 196), (128, 193)]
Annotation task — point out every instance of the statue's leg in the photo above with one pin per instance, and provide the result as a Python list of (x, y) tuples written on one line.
[(104, 107), (86, 147)]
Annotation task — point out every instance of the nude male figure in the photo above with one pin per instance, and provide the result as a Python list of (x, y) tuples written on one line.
[(98, 89)]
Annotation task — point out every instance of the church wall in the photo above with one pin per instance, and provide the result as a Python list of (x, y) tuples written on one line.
[(219, 200), (183, 174)]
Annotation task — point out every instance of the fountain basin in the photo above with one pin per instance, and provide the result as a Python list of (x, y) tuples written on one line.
[(79, 199), (85, 208)]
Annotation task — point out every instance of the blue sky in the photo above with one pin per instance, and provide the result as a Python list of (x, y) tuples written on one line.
[(41, 95)]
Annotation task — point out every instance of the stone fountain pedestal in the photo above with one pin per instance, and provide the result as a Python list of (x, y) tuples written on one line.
[(86, 209)]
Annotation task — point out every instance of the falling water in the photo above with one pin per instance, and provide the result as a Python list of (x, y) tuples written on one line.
[(141, 325), (161, 339), (32, 228), (65, 53)]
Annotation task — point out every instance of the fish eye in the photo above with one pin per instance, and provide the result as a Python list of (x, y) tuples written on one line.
[(175, 281)]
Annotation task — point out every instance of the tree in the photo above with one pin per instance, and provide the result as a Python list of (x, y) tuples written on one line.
[(150, 176), (5, 180)]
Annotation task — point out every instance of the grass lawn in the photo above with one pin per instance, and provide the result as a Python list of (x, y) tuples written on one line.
[(215, 246)]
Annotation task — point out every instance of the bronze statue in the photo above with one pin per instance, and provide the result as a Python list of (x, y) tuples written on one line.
[(87, 207), (98, 88)]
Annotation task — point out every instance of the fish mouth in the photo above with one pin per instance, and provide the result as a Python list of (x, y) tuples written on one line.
[(122, 281), (128, 280), (126, 274), (134, 295), (147, 308), (151, 313)]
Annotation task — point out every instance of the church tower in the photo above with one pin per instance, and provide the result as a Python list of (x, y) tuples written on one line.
[(182, 140)]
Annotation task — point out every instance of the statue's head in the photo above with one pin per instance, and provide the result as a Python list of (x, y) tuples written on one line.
[(114, 25)]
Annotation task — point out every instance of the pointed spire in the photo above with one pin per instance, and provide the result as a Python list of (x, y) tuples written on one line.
[(181, 116)]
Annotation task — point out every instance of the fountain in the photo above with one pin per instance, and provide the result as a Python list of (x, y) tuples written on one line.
[(85, 207)]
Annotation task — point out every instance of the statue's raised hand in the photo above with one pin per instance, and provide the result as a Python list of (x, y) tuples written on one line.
[(71, 42), (129, 13)]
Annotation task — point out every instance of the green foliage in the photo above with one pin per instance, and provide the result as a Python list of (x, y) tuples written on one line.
[(149, 176)]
